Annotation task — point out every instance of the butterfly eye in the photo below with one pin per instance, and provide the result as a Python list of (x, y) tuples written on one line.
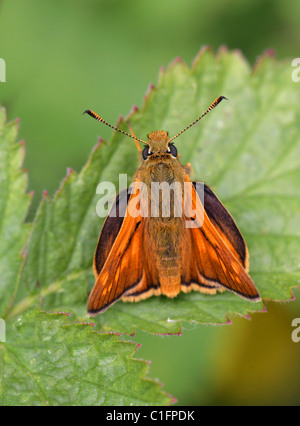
[(173, 150), (146, 152)]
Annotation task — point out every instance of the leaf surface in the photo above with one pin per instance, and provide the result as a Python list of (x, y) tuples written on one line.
[(14, 203), (48, 360)]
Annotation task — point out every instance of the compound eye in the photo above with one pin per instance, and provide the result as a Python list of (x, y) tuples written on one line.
[(173, 150), (146, 152)]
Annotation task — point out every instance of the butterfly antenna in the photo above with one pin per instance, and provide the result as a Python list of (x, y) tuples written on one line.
[(98, 118), (212, 106)]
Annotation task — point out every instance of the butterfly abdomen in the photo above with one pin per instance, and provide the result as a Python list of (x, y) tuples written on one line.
[(166, 253)]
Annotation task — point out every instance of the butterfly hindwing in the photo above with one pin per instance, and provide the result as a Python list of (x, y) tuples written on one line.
[(218, 259), (225, 225)]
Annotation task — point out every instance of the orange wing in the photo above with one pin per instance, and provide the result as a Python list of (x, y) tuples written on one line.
[(214, 260), (110, 230), (122, 269), (226, 226)]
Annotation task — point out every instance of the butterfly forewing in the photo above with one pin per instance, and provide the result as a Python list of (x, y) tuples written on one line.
[(122, 269), (218, 254)]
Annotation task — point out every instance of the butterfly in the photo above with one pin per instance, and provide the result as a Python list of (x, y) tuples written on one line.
[(140, 255)]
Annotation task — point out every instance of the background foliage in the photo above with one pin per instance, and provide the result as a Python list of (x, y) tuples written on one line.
[(63, 57)]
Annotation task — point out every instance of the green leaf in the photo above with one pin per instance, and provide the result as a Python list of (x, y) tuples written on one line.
[(48, 360), (13, 208), (247, 150)]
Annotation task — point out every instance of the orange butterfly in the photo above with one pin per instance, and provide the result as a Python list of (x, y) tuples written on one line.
[(140, 255)]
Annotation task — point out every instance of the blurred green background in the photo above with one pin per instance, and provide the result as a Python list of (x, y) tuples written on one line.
[(64, 56)]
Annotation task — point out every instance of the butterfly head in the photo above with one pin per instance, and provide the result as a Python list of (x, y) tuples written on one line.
[(158, 143)]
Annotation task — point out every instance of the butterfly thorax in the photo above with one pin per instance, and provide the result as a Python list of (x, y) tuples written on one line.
[(163, 176)]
